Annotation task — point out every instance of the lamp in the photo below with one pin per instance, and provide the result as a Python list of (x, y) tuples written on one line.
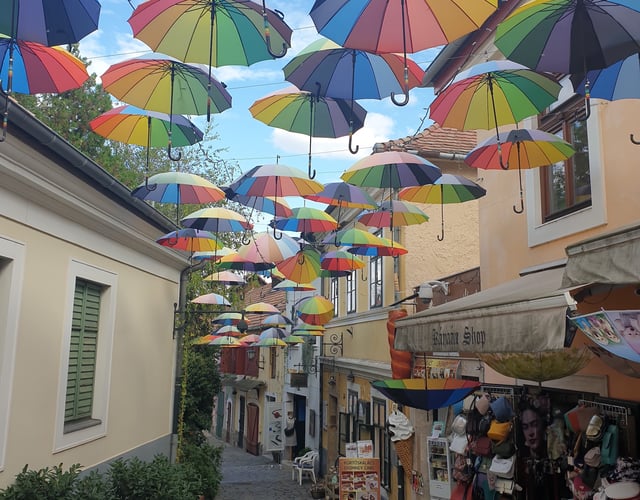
[(351, 377), (332, 380)]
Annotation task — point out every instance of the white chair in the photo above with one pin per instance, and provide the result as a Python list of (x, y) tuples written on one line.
[(307, 465), (296, 461)]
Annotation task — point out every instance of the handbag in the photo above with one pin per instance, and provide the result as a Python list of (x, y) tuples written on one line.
[(609, 445), (484, 425), (481, 446), (505, 486), (501, 409), (289, 432), (462, 470), (503, 467), (504, 449), (459, 444), (499, 431), (577, 419)]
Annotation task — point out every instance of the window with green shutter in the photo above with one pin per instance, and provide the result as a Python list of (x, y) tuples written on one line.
[(82, 352)]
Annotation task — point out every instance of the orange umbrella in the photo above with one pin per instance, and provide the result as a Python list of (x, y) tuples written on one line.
[(316, 310)]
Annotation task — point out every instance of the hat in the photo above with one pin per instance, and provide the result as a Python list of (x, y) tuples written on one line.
[(624, 490), (595, 428), (482, 404), (592, 457)]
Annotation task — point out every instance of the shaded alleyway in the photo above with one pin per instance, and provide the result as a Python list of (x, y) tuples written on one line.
[(245, 476)]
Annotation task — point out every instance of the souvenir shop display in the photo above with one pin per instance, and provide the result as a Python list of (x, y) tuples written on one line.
[(439, 465)]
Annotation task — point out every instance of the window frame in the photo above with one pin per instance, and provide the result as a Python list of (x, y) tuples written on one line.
[(381, 439), (68, 435), (376, 282), (334, 287), (351, 292)]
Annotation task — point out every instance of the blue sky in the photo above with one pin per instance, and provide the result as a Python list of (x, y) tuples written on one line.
[(249, 142)]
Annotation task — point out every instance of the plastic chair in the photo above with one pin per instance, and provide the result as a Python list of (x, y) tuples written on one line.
[(307, 465), (296, 461)]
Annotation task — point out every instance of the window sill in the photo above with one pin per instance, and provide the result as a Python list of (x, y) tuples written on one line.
[(78, 425)]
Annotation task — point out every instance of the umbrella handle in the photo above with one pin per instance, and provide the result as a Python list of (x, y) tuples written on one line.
[(267, 32), (276, 236), (633, 140), (173, 158), (403, 102), (351, 149), (587, 99), (521, 209), (245, 239), (362, 276), (147, 186)]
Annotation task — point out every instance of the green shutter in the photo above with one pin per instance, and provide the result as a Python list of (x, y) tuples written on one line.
[(82, 351)]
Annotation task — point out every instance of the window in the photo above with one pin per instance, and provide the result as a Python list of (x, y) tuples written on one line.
[(273, 356), (351, 292), (333, 297), (82, 352), (566, 185), (375, 282), (381, 440)]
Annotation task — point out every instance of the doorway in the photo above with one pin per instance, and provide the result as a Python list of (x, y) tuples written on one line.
[(241, 422), (300, 413), (253, 417)]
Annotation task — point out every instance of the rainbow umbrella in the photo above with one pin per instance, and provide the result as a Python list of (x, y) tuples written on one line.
[(267, 248), (618, 81), (293, 286), (270, 342), (307, 220), (211, 299), (276, 320), (352, 237), (386, 248), (178, 187), (315, 310), (306, 329), (205, 339), (426, 394), (190, 240), (250, 339), (225, 278), (293, 340), (343, 195), (236, 261), (394, 213), (217, 220), (261, 308), (341, 260), (275, 180), (310, 114), (227, 318), (230, 330), (273, 333), (213, 256), (448, 188), (267, 204), (226, 341), (303, 267)]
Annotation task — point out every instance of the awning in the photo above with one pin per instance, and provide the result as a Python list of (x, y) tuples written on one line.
[(611, 258), (243, 384), (524, 315)]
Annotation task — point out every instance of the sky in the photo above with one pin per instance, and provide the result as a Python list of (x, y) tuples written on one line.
[(249, 142)]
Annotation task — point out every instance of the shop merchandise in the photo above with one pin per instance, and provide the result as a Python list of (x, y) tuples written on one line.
[(402, 437)]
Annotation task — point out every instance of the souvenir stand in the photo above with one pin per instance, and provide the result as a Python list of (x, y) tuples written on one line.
[(439, 466)]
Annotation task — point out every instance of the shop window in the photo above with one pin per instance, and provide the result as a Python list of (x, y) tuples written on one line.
[(381, 439), (351, 292), (375, 282), (343, 433), (333, 295), (273, 357), (566, 185)]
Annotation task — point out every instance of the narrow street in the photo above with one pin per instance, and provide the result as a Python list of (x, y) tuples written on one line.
[(245, 476)]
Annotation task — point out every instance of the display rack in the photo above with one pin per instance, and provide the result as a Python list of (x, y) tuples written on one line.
[(439, 464), (619, 413)]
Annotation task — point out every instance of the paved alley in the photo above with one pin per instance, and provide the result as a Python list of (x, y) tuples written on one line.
[(245, 476)]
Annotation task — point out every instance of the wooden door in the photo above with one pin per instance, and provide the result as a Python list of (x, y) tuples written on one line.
[(253, 415)]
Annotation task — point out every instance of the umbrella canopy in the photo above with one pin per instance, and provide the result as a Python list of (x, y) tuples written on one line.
[(303, 267), (190, 240), (385, 248), (270, 342), (523, 148), (214, 256), (236, 261), (218, 220), (618, 81), (49, 22), (307, 220), (249, 339), (492, 94), (166, 85), (230, 330), (394, 213), (343, 195), (273, 333), (267, 204), (448, 188), (353, 237), (212, 32), (570, 36), (402, 27), (276, 320), (275, 180), (32, 68), (178, 187), (292, 286), (315, 310), (310, 114), (341, 260), (212, 299), (225, 278), (539, 366), (226, 341), (205, 339), (227, 318), (266, 248), (392, 170), (294, 339), (261, 308), (426, 394), (306, 329)]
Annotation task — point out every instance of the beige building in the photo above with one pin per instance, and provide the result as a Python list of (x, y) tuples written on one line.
[(87, 351)]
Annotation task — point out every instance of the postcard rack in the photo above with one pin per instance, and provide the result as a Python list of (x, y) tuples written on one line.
[(615, 412)]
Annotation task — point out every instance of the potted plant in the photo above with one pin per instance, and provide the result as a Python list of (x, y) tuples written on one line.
[(317, 490)]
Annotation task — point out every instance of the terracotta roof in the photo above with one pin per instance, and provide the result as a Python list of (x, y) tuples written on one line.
[(436, 140)]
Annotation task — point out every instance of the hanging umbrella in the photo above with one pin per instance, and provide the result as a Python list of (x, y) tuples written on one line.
[(226, 341), (343, 195), (32, 68), (315, 310), (249, 339), (49, 22), (270, 342), (239, 263), (213, 256), (303, 267), (277, 320), (225, 278), (266, 248), (353, 237), (217, 220), (167, 86), (523, 147), (539, 366), (492, 94), (569, 36), (401, 27), (392, 214), (273, 333), (310, 114), (190, 240), (448, 188), (133, 125), (230, 330), (385, 248), (212, 32), (293, 340), (227, 318), (426, 394), (391, 170), (346, 73), (211, 299), (306, 220), (306, 329), (293, 286), (341, 260), (261, 308), (205, 339), (267, 204)]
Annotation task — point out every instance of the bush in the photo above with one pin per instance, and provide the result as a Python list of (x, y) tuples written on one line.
[(205, 461), (43, 484)]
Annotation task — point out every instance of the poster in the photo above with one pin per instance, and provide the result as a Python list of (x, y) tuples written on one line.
[(359, 478), (365, 449), (616, 331), (274, 425), (435, 368)]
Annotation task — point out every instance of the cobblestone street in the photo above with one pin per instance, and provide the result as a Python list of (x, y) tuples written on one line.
[(245, 476)]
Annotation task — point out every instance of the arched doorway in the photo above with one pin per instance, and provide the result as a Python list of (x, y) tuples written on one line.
[(253, 419)]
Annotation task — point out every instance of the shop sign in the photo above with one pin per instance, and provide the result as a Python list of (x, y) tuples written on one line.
[(274, 423), (359, 478), (616, 331), (434, 368)]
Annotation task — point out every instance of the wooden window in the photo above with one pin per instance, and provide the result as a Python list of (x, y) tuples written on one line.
[(381, 440), (351, 292), (333, 297), (82, 351), (566, 186), (273, 356), (375, 282)]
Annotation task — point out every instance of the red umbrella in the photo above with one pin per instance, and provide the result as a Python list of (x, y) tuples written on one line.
[(304, 267), (341, 260)]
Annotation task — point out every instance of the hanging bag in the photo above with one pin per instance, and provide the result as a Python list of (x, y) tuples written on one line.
[(609, 445), (503, 467), (499, 431)]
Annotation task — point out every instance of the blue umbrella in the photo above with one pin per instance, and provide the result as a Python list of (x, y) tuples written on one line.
[(426, 394), (618, 81)]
